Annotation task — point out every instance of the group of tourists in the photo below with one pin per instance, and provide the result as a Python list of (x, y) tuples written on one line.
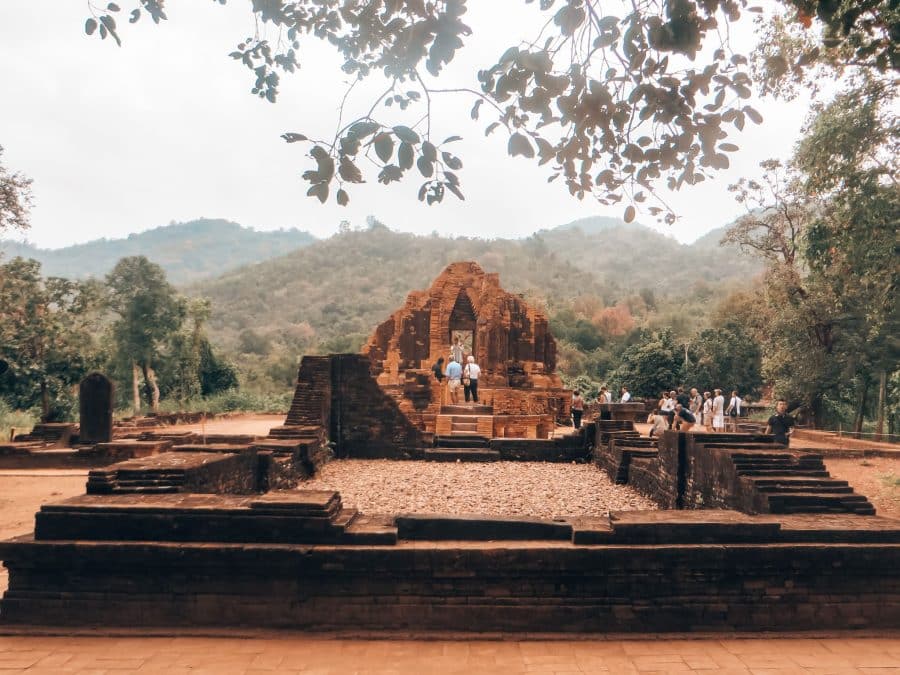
[(461, 372), (686, 410), (605, 396), (681, 410)]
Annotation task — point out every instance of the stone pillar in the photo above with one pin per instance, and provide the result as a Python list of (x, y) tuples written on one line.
[(95, 395)]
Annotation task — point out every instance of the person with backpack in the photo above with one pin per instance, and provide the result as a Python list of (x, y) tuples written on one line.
[(733, 411), (577, 409)]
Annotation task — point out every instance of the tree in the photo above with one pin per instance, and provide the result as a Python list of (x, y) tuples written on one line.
[(828, 231), (15, 199), (46, 337), (726, 357), (613, 104), (149, 313), (651, 365)]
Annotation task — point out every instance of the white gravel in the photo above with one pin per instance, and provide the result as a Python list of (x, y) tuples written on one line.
[(540, 489)]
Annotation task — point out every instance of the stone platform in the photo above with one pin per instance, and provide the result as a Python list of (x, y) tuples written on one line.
[(658, 571)]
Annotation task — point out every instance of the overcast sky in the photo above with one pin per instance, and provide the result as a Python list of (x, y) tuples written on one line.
[(119, 140)]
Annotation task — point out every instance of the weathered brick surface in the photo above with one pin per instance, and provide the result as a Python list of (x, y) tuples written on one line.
[(555, 587)]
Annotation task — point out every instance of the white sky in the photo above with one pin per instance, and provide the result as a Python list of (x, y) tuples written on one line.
[(119, 140)]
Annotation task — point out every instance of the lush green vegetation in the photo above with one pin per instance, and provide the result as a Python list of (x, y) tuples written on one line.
[(133, 325)]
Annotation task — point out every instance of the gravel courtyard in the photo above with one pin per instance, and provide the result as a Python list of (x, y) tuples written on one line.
[(540, 489)]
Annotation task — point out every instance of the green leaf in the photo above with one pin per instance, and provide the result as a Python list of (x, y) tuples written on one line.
[(90, 26), (519, 145), (426, 168), (363, 129), (405, 156), (452, 139), (291, 137), (342, 197), (753, 114), (429, 152), (112, 7), (451, 161), (348, 171), (629, 214), (455, 190), (406, 134), (728, 147), (384, 146), (319, 191)]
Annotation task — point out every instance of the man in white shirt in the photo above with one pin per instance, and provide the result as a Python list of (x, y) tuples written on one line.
[(734, 409), (718, 411), (626, 396), (471, 374)]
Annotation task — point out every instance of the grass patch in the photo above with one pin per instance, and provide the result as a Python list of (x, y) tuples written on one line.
[(20, 420), (233, 400), (891, 480)]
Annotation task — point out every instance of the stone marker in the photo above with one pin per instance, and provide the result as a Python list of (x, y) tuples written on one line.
[(96, 408)]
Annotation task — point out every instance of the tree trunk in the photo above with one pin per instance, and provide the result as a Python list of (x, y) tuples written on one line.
[(151, 387), (882, 400), (861, 407), (815, 411), (45, 402), (135, 388)]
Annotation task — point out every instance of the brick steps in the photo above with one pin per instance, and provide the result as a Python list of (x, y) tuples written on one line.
[(462, 455), (770, 481), (797, 483), (466, 410), (781, 471), (462, 440)]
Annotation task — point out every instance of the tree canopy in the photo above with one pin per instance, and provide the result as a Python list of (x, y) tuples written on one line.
[(612, 101), (15, 198)]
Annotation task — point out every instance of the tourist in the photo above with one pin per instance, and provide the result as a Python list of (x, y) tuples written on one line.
[(454, 376), (438, 369), (781, 425), (696, 402), (707, 416), (470, 379), (659, 423), (686, 419), (457, 351), (626, 395), (683, 398), (605, 396), (577, 409), (733, 411), (667, 406), (718, 411)]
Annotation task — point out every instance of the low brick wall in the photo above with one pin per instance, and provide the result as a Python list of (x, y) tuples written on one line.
[(548, 588), (573, 447)]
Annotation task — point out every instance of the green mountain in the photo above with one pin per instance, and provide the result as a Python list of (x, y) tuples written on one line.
[(338, 289), (625, 258), (186, 251)]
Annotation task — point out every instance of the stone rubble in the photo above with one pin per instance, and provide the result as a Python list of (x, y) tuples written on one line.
[(538, 489)]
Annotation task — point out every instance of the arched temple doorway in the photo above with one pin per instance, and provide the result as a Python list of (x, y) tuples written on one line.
[(463, 322)]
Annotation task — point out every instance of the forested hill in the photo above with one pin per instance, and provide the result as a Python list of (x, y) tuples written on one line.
[(626, 258), (186, 251), (336, 290)]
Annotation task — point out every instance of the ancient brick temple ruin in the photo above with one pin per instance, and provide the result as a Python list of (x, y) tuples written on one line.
[(519, 391)]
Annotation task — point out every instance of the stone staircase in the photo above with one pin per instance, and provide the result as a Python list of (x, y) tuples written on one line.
[(462, 447), (790, 482), (171, 472), (622, 451)]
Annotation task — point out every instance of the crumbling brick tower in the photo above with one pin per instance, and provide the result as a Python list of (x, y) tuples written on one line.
[(510, 341)]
